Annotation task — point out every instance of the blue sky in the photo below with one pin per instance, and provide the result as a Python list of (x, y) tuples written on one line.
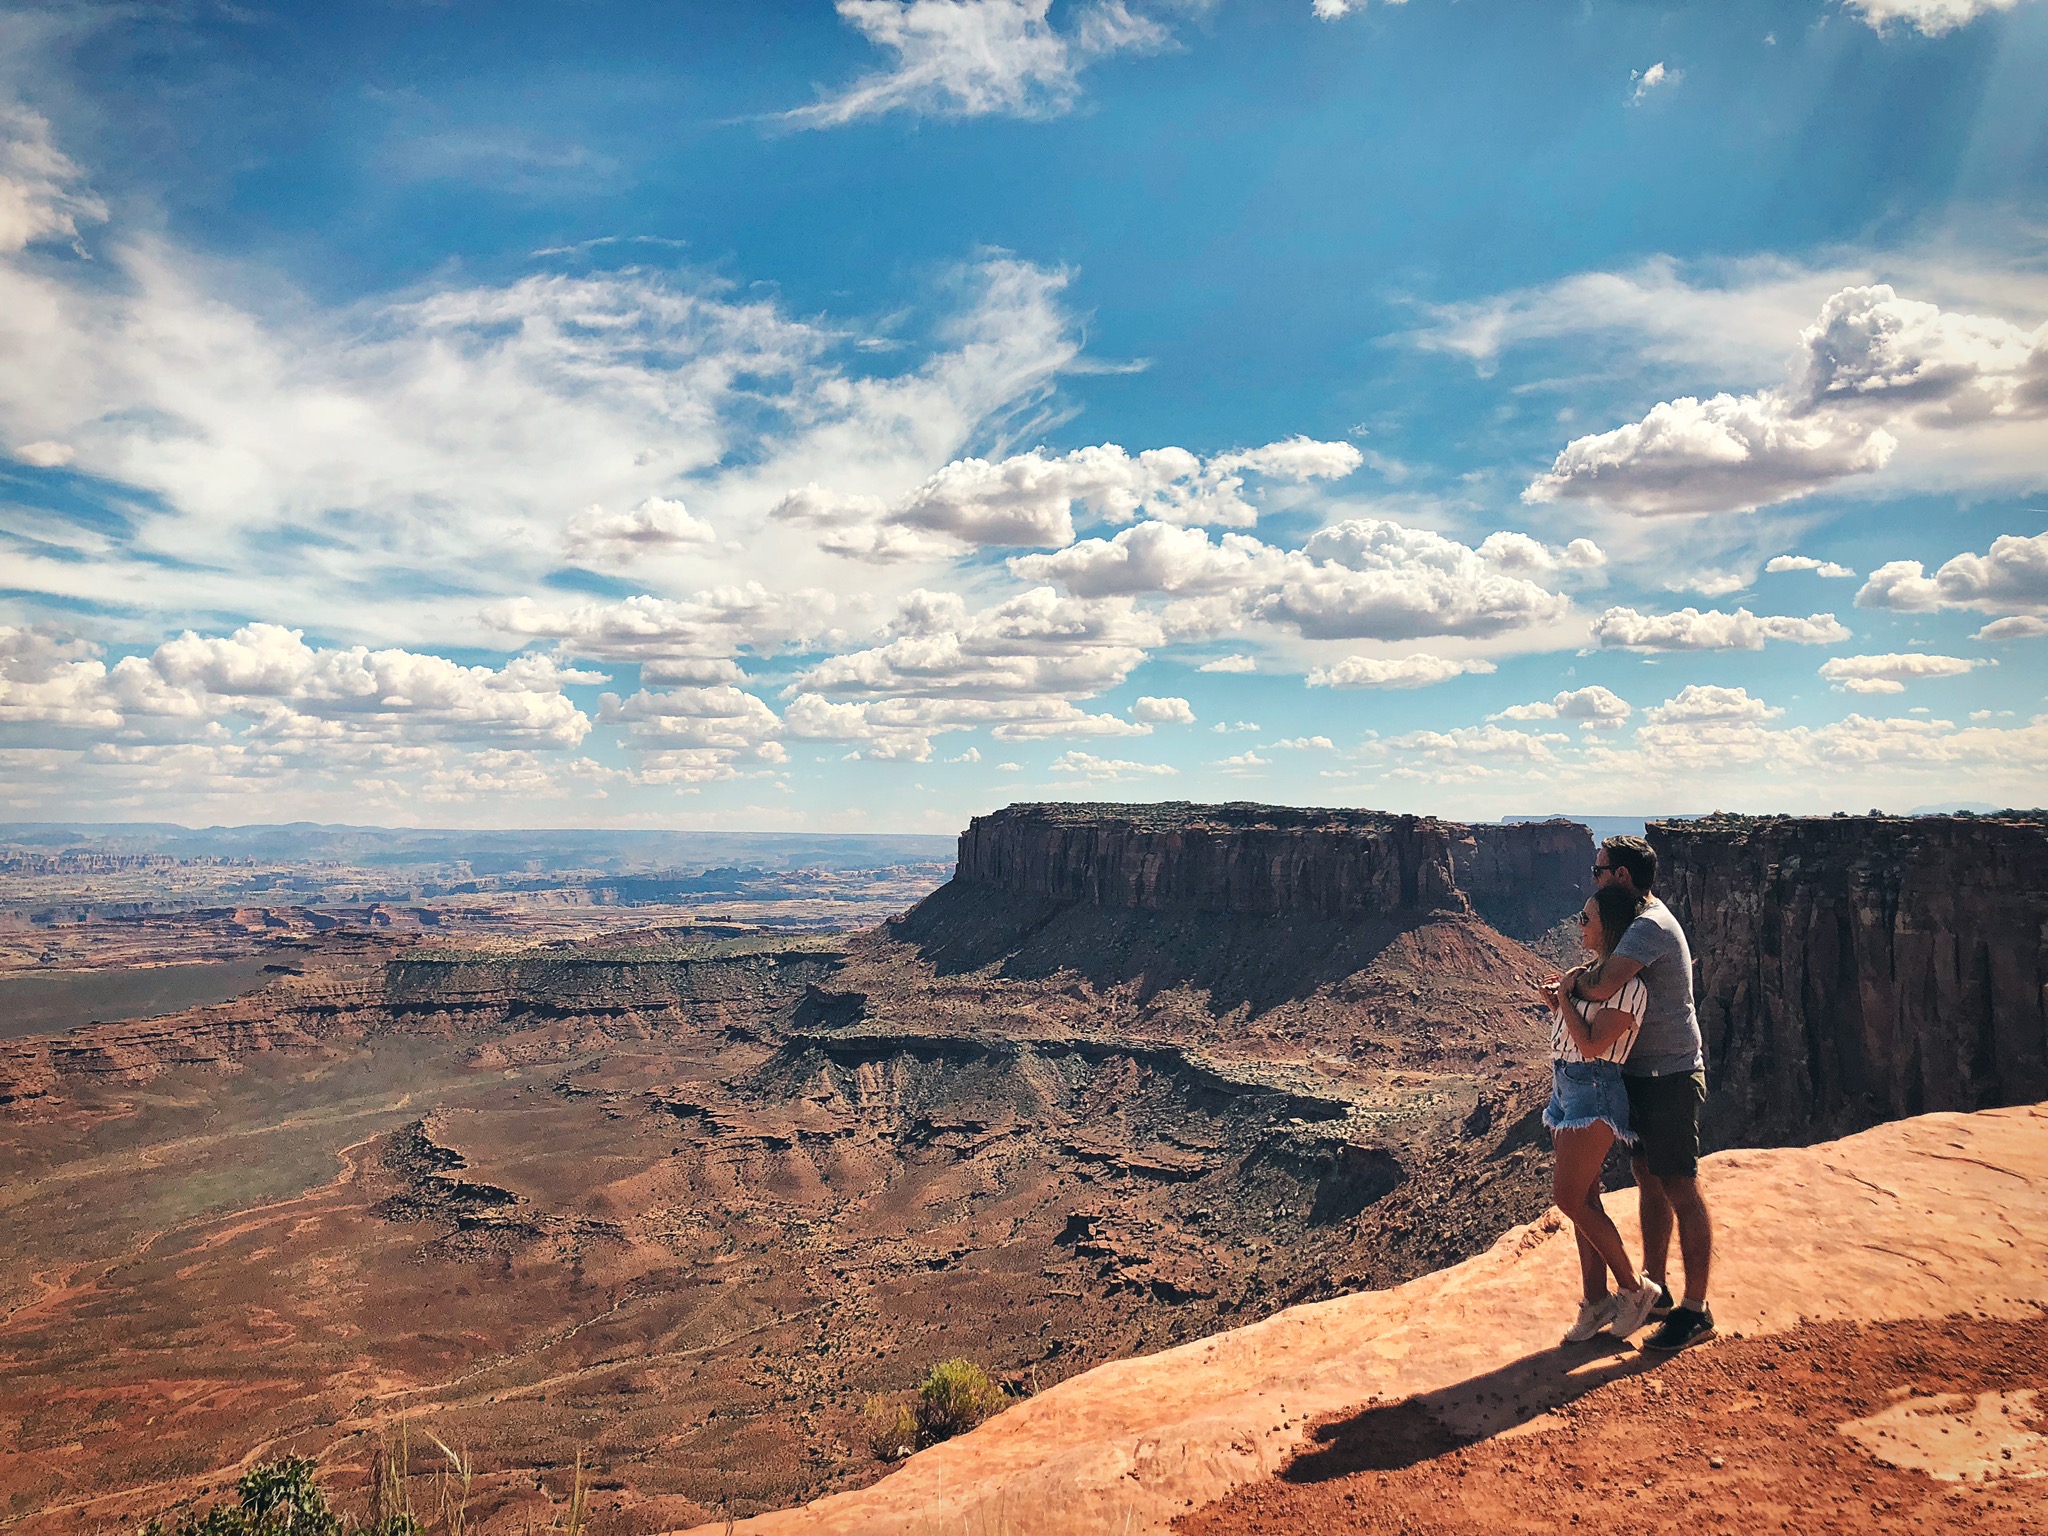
[(780, 415)]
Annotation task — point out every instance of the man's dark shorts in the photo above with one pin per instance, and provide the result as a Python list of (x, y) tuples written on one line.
[(1664, 1112)]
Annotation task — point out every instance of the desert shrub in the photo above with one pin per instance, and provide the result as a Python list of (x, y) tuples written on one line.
[(279, 1498), (892, 1428), (955, 1397)]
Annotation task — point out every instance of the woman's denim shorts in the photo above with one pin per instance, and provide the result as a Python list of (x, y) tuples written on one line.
[(1583, 1092)]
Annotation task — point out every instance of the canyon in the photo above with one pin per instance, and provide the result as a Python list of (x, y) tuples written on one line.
[(688, 1194)]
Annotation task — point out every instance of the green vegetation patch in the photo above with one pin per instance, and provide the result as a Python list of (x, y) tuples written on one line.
[(280, 1498), (956, 1396)]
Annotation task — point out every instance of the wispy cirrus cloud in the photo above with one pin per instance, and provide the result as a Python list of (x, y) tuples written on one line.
[(43, 195), (978, 58), (1729, 318), (396, 466)]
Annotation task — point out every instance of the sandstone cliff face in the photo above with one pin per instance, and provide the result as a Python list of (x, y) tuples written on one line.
[(1523, 877), (1852, 970), (1266, 861)]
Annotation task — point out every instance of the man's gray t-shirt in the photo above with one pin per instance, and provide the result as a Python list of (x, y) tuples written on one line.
[(1670, 1038)]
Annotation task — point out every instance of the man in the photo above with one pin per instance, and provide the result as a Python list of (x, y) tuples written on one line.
[(1665, 1075)]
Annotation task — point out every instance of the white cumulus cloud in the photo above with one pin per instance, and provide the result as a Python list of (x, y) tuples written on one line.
[(272, 686), (1690, 629), (1890, 674), (1016, 667), (1594, 707), (46, 454), (1088, 765), (2012, 575), (720, 717), (1477, 744), (1167, 711), (1706, 704), (1730, 451), (1029, 499), (680, 634), (2018, 627), (1648, 80), (1833, 570), (1872, 368), (1035, 643), (1417, 671), (1372, 579), (1365, 578), (1337, 10), (657, 524), (1929, 17)]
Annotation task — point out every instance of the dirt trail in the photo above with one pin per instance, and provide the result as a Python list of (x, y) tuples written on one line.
[(1923, 1219)]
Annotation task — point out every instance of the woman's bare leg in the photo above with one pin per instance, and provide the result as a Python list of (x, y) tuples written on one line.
[(1580, 1154), (1592, 1268)]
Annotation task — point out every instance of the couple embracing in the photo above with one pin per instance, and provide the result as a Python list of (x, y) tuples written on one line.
[(1626, 1066)]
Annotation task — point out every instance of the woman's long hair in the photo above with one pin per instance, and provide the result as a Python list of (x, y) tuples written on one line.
[(1618, 906)]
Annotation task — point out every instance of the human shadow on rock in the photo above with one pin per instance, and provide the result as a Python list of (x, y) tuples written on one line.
[(1389, 1437)]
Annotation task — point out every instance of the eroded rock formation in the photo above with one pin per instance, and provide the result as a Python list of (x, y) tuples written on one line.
[(1856, 969), (1270, 861), (713, 1191)]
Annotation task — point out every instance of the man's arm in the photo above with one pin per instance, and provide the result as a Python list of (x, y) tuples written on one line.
[(1615, 974), (1594, 1036)]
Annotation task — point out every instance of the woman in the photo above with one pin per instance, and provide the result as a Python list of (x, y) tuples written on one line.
[(1588, 1109)]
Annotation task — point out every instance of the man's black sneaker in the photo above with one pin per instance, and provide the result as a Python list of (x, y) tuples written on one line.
[(1665, 1302), (1682, 1329)]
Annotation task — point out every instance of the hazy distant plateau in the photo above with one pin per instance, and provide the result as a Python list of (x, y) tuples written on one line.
[(40, 1003)]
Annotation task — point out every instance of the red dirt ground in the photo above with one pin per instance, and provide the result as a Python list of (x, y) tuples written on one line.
[(1736, 1436)]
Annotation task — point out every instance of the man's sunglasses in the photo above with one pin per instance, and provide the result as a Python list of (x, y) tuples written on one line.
[(1603, 869)]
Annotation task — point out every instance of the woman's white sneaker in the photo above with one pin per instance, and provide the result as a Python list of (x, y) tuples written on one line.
[(1632, 1308), (1593, 1315)]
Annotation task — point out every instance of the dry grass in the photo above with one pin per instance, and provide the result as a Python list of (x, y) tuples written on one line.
[(445, 1510)]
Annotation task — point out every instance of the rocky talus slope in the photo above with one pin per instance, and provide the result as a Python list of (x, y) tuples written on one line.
[(1854, 969), (1921, 1219)]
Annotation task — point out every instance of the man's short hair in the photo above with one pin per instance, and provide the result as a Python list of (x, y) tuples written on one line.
[(1635, 856)]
